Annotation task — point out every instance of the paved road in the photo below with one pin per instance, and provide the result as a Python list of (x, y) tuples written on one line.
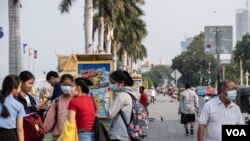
[(170, 128)]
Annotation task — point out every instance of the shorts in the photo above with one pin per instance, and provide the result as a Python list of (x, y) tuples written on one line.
[(187, 118)]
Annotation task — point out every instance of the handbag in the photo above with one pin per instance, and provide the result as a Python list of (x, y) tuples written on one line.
[(69, 132), (33, 128), (101, 134)]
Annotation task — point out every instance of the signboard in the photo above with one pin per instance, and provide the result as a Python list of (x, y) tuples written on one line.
[(137, 83), (176, 74), (98, 72), (225, 39), (225, 58)]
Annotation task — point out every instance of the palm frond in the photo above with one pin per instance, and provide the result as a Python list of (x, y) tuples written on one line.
[(95, 24), (65, 5)]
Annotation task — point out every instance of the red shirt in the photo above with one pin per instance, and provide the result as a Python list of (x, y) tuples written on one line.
[(85, 112), (144, 100)]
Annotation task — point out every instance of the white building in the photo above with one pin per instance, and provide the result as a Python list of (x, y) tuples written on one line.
[(145, 67), (186, 43), (242, 23)]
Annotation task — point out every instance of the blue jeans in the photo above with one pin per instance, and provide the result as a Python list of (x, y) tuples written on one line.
[(86, 136)]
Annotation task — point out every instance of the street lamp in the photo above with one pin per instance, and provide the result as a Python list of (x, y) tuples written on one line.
[(241, 70), (218, 30), (209, 79), (200, 78), (247, 74)]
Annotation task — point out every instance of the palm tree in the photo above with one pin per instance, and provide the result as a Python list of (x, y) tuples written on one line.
[(130, 33), (101, 22), (122, 26), (88, 21), (15, 59)]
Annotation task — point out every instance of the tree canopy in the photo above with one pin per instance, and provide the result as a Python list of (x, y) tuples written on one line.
[(242, 50), (195, 64)]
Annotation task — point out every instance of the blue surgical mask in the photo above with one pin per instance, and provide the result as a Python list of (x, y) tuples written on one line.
[(66, 89), (114, 87), (231, 95)]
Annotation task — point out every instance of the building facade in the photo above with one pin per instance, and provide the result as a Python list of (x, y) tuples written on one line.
[(186, 43), (242, 23)]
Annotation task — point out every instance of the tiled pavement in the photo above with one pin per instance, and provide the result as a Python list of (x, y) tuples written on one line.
[(170, 128)]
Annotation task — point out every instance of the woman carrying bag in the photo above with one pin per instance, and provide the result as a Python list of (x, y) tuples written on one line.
[(121, 83), (82, 111), (58, 111)]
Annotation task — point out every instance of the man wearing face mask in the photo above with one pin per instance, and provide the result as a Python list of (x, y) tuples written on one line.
[(58, 110), (219, 111)]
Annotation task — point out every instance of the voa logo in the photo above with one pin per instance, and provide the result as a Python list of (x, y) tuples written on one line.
[(236, 132)]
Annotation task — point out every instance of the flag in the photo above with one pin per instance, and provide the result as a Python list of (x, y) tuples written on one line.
[(1, 32), (35, 54), (208, 46), (24, 46), (30, 51)]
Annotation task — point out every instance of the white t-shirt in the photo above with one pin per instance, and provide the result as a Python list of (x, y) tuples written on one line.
[(27, 100), (153, 92), (214, 114)]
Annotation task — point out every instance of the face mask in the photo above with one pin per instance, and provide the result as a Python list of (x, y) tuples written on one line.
[(66, 89), (231, 95), (113, 87)]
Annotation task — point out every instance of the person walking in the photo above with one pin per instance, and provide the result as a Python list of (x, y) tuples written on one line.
[(11, 111), (121, 84), (54, 80), (58, 111), (144, 97), (187, 107), (82, 111), (219, 111), (152, 95)]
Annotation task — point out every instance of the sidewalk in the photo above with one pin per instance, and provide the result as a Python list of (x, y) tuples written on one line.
[(170, 128)]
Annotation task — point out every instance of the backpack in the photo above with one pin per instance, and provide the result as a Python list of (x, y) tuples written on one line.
[(138, 125), (33, 128)]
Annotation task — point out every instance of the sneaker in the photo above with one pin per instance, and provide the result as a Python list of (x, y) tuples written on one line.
[(187, 133), (191, 131)]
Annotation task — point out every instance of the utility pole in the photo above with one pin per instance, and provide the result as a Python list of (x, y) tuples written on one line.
[(209, 79), (223, 71), (247, 74), (218, 30)]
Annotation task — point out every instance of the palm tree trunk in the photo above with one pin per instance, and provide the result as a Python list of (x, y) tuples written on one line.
[(124, 61), (88, 26), (15, 59), (101, 35), (108, 39), (114, 51)]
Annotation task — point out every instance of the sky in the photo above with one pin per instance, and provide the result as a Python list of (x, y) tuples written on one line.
[(44, 29)]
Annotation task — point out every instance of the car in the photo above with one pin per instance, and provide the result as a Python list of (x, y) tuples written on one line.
[(243, 101), (210, 90), (201, 90)]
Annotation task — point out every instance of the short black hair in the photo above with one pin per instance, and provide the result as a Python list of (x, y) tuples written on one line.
[(142, 88), (67, 76), (51, 74), (187, 86)]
